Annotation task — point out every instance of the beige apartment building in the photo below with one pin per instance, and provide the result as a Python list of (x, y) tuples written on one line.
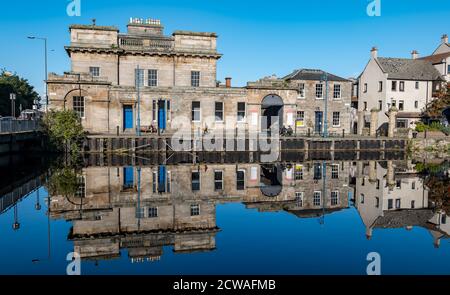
[(119, 81), (404, 85)]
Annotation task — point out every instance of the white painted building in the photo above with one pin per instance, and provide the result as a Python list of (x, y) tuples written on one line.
[(441, 58), (406, 84)]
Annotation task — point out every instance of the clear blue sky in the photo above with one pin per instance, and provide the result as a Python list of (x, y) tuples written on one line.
[(257, 38)]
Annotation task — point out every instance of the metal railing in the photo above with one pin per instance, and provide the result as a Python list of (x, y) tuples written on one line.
[(17, 126)]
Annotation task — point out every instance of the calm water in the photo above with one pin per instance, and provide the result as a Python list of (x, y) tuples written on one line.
[(314, 217)]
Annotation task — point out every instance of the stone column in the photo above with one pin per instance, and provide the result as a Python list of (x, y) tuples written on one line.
[(372, 171), (392, 121), (373, 122), (390, 175), (360, 122)]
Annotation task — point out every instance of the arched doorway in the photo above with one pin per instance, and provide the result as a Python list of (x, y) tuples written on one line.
[(271, 106), (271, 180)]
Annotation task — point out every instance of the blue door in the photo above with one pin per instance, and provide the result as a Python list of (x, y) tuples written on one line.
[(318, 122), (162, 115), (128, 177), (127, 117), (162, 179)]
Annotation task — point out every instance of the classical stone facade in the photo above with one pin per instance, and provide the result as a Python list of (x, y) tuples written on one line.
[(143, 209), (144, 78)]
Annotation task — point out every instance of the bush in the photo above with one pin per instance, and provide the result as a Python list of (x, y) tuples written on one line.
[(64, 130), (434, 126)]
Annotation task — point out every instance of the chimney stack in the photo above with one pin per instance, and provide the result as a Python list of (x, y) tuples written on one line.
[(374, 52), (444, 38), (228, 82), (414, 54)]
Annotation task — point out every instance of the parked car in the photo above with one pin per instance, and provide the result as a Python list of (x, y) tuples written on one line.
[(30, 115)]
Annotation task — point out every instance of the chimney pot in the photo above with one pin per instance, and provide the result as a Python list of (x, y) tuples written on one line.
[(444, 38), (414, 54), (374, 52), (228, 82)]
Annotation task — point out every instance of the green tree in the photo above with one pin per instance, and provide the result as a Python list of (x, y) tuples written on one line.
[(64, 131), (25, 93), (437, 106)]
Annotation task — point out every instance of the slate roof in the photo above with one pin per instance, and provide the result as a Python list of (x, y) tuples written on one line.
[(402, 218), (437, 58), (408, 69), (313, 75)]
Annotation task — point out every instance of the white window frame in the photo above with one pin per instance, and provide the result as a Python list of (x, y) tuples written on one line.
[(400, 87), (199, 111), (299, 196), (197, 79), (319, 86), (301, 91), (244, 179), (244, 117), (299, 172), (152, 216), (197, 210), (394, 83), (81, 191), (149, 76), (83, 112), (333, 172), (337, 91), (339, 119), (315, 194), (302, 120), (94, 71), (334, 194), (221, 181), (215, 111), (199, 181)]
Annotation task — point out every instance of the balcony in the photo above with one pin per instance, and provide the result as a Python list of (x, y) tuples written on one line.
[(146, 43)]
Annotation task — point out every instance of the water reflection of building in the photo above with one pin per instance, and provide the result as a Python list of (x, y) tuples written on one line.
[(393, 195), (145, 209)]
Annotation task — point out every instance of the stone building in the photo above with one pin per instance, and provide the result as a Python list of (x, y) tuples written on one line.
[(441, 58), (144, 209), (144, 78), (392, 195), (405, 85)]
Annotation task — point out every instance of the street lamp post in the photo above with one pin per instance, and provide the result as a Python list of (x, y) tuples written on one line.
[(138, 85), (46, 66), (12, 97)]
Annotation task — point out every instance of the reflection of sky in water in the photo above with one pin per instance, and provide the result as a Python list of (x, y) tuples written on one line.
[(250, 242)]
